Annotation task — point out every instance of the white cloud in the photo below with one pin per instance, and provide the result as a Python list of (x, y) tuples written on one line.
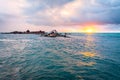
[(12, 6), (23, 14)]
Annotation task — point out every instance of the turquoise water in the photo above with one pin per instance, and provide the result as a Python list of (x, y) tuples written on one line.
[(81, 57)]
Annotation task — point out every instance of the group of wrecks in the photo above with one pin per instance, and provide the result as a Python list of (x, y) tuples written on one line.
[(53, 33)]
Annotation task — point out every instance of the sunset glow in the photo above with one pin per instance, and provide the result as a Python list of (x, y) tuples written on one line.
[(89, 29)]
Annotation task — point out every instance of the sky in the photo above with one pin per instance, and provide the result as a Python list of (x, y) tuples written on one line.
[(62, 15)]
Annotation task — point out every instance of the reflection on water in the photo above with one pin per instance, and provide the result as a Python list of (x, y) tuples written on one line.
[(88, 54), (89, 43), (88, 50), (89, 47), (86, 63)]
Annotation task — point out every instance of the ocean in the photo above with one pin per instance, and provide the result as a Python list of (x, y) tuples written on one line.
[(80, 57)]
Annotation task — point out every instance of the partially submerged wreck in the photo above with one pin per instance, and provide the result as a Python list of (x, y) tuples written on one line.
[(54, 33)]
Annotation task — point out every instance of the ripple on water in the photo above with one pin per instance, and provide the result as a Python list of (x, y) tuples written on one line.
[(44, 58)]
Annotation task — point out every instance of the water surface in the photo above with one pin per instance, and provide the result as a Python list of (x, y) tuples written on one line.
[(81, 57)]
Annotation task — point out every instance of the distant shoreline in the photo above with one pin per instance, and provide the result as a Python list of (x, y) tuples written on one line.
[(64, 32), (25, 32), (44, 32), (53, 33)]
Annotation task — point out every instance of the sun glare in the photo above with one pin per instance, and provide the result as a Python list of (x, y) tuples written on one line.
[(89, 29)]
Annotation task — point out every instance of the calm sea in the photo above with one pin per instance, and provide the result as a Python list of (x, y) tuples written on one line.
[(81, 57)]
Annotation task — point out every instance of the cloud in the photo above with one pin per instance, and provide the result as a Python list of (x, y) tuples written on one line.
[(40, 5), (23, 14), (73, 11), (11, 14), (108, 3)]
